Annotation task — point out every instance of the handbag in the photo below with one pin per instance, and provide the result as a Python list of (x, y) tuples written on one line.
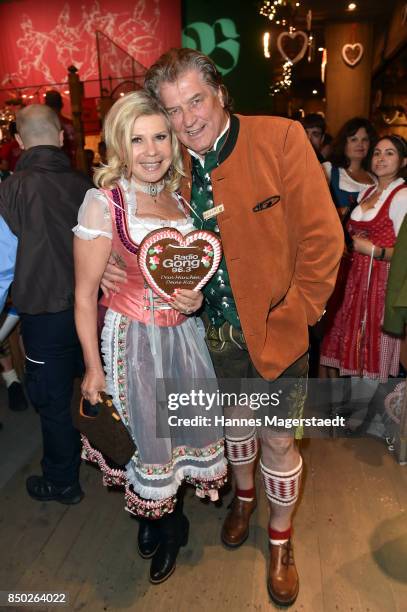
[(102, 425)]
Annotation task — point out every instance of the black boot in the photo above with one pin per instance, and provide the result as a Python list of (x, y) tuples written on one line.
[(148, 538), (174, 530)]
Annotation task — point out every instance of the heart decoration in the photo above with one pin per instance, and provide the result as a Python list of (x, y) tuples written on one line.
[(390, 117), (289, 53), (352, 54), (168, 260)]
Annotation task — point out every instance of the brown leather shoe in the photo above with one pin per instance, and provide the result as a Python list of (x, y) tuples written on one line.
[(235, 529), (283, 582)]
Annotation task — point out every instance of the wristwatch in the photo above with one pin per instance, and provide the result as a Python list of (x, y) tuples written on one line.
[(382, 254)]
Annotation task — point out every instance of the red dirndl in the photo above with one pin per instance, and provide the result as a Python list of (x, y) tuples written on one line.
[(355, 351)]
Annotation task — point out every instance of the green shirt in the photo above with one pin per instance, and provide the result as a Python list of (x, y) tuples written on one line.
[(219, 302)]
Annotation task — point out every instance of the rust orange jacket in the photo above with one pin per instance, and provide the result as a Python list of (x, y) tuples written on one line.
[(280, 232)]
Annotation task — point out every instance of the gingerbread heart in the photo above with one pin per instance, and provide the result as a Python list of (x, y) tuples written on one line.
[(292, 45), (352, 54), (168, 260)]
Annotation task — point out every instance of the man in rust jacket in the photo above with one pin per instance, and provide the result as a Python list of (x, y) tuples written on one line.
[(257, 183)]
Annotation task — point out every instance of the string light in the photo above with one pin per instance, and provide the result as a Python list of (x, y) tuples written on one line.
[(285, 82), (266, 44), (270, 8)]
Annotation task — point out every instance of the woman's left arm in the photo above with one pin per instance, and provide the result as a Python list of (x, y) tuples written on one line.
[(364, 246)]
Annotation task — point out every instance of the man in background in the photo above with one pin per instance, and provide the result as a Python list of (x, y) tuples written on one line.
[(38, 208), (53, 99), (315, 127)]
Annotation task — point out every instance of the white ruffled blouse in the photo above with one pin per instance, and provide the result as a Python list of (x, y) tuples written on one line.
[(94, 218), (397, 210), (346, 182)]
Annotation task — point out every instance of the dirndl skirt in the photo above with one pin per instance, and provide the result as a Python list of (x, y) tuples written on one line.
[(138, 358)]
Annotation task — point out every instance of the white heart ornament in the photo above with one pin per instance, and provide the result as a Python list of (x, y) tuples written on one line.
[(292, 36), (168, 260), (389, 117), (352, 54)]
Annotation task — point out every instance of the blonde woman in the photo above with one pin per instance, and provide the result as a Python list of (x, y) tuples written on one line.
[(144, 338)]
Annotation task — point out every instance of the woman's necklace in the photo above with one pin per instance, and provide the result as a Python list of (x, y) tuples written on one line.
[(151, 189)]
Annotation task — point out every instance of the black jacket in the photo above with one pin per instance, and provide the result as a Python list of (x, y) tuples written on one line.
[(40, 204)]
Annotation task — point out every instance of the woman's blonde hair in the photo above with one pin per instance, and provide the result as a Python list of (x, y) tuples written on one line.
[(118, 131)]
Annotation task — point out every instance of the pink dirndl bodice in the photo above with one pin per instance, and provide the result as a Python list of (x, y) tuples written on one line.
[(135, 298)]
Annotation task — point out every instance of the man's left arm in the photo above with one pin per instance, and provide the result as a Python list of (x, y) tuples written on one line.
[(8, 253), (313, 221)]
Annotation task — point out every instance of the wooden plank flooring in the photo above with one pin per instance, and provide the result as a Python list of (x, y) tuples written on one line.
[(350, 540)]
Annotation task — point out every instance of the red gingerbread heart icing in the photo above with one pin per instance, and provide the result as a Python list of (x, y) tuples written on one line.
[(168, 260)]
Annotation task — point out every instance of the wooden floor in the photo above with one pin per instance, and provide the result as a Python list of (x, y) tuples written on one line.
[(350, 538)]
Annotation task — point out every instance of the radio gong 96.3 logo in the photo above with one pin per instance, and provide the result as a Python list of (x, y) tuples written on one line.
[(182, 263)]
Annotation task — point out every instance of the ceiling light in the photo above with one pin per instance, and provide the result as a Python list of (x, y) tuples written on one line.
[(320, 49), (352, 6), (315, 91)]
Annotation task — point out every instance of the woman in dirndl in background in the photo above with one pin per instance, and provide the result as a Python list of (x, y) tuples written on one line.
[(356, 344), (144, 338)]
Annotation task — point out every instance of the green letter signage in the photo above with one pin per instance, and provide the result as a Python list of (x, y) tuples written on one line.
[(206, 36)]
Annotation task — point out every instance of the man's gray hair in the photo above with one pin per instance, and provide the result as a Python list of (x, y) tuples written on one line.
[(38, 124), (170, 66)]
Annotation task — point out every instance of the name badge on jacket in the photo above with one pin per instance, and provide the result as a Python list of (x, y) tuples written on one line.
[(267, 203), (213, 212)]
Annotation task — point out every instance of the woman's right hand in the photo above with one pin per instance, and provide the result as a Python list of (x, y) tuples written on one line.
[(93, 383)]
